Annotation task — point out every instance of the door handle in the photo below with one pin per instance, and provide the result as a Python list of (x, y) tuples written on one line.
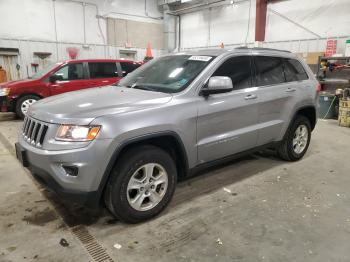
[(248, 97), (289, 89)]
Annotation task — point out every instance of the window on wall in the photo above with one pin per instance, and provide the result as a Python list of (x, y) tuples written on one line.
[(294, 71), (269, 70), (73, 71), (103, 70), (128, 67), (238, 69)]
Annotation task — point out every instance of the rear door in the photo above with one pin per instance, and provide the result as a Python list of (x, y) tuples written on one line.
[(73, 77), (127, 67), (227, 123), (276, 97), (103, 73)]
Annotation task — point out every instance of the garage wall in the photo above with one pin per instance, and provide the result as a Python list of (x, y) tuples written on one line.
[(30, 26), (229, 24)]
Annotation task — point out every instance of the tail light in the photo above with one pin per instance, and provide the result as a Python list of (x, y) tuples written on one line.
[(318, 88)]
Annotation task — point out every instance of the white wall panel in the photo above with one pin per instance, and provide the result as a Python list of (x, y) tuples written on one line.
[(229, 24), (29, 19), (195, 29), (70, 22)]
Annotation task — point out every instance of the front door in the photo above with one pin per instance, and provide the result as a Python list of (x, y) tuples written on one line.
[(72, 78), (228, 123)]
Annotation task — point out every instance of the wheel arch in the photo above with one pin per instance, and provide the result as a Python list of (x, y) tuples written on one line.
[(27, 94), (310, 113), (169, 141)]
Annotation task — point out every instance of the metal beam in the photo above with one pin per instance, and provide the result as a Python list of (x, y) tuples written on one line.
[(260, 21)]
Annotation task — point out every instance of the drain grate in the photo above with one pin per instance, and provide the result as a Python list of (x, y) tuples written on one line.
[(94, 249)]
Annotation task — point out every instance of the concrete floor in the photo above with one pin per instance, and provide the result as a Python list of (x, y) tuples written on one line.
[(257, 208)]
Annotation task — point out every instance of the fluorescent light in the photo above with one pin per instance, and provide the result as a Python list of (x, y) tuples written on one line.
[(175, 72)]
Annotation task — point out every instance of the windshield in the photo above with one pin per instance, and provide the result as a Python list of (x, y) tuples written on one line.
[(45, 70), (169, 74)]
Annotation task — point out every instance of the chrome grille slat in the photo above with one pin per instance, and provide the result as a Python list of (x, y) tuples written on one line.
[(32, 123), (25, 124), (39, 135), (27, 127), (34, 131)]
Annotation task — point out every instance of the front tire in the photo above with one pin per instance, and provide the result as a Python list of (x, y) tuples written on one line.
[(23, 104), (141, 184), (297, 140)]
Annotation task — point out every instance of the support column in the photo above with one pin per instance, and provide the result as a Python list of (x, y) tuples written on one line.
[(169, 30), (260, 21)]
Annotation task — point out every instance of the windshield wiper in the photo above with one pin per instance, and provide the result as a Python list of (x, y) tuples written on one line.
[(141, 87)]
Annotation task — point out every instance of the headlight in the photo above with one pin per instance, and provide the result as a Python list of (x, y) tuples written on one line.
[(77, 133), (4, 91)]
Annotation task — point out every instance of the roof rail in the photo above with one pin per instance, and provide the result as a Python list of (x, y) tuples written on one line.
[(262, 49)]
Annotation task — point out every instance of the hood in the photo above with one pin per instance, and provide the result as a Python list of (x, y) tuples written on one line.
[(83, 106), (23, 82)]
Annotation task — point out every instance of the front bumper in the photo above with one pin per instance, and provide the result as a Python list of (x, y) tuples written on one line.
[(47, 168), (6, 104)]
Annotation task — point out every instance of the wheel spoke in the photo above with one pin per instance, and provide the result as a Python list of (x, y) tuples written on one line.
[(155, 197), (148, 169), (295, 141), (160, 180), (135, 184), (138, 200)]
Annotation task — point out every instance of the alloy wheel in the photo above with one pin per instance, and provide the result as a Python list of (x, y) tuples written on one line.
[(147, 187)]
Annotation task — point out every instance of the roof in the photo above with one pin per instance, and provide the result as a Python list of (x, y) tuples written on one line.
[(219, 51), (98, 60)]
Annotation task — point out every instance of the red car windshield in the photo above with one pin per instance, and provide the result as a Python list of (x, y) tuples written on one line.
[(45, 70)]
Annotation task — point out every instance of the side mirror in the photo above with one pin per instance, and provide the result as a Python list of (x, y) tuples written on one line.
[(55, 78), (217, 85)]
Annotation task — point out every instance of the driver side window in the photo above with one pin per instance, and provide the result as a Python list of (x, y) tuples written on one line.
[(238, 68), (73, 71)]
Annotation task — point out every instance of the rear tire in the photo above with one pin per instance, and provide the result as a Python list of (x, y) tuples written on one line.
[(141, 184), (23, 104), (296, 141)]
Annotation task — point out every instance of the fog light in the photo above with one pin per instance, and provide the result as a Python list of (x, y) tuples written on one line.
[(71, 170)]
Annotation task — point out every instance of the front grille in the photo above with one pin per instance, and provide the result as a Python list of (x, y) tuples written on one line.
[(34, 131)]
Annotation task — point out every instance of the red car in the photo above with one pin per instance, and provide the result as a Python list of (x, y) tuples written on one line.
[(62, 77)]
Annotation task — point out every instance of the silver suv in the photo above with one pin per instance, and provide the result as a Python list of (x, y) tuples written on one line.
[(127, 145)]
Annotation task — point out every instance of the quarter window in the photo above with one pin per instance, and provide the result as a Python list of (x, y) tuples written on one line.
[(269, 70), (74, 71), (238, 69), (103, 70), (294, 71)]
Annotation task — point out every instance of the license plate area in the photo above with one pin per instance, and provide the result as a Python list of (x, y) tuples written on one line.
[(21, 155)]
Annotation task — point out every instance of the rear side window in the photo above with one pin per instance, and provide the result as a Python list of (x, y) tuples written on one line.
[(74, 71), (103, 70), (128, 67), (269, 70), (294, 71), (238, 69)]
